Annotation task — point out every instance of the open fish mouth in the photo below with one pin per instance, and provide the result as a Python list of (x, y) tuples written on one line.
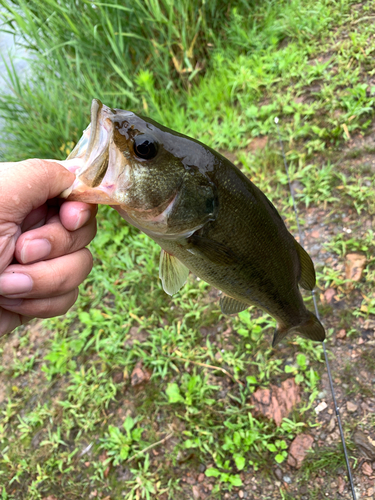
[(114, 165), (93, 149), (93, 143)]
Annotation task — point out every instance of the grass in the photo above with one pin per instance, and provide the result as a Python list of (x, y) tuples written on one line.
[(72, 422), (96, 49)]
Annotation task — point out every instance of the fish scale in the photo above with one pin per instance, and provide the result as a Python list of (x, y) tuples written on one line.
[(206, 215), (266, 269)]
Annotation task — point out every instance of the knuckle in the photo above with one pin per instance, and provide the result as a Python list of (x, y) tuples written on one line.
[(43, 308), (77, 240), (88, 233), (55, 306), (88, 259), (70, 242), (59, 276), (69, 301), (76, 268), (94, 229), (61, 240)]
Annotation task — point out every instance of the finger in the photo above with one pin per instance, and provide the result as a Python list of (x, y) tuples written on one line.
[(49, 278), (41, 308), (39, 217), (75, 214), (41, 180), (53, 240), (10, 320), (36, 218)]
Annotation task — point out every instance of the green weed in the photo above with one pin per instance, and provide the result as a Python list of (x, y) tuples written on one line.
[(147, 485), (119, 445), (192, 393)]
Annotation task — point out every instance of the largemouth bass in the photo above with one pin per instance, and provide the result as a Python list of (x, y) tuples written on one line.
[(206, 215)]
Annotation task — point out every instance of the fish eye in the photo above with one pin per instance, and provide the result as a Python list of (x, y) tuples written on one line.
[(145, 147)]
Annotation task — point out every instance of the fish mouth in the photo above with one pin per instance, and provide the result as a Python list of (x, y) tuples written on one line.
[(93, 151), (93, 146), (103, 172)]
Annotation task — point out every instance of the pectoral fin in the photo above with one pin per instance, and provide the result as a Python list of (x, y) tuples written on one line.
[(172, 272), (308, 279), (211, 250), (231, 306)]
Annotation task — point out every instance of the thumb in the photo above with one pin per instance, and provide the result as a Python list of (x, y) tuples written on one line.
[(28, 184)]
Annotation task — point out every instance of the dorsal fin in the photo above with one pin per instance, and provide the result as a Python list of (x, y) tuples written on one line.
[(307, 280), (172, 272), (231, 306)]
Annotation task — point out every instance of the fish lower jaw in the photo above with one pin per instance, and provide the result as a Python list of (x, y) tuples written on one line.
[(101, 195)]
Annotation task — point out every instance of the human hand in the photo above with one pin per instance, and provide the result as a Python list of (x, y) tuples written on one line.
[(42, 254)]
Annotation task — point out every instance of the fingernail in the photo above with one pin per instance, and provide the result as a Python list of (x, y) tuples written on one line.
[(35, 250), (83, 217), (12, 283), (4, 301)]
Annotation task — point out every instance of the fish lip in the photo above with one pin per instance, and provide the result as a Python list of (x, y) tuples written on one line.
[(84, 149), (96, 107), (93, 147)]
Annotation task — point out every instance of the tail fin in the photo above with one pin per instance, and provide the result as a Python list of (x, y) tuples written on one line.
[(310, 328)]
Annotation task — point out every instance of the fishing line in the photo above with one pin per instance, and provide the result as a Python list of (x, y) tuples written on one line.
[(337, 410)]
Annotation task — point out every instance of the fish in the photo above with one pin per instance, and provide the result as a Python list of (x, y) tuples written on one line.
[(205, 214)]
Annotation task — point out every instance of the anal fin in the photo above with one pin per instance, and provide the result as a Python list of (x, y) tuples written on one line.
[(172, 272), (308, 279), (231, 306)]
